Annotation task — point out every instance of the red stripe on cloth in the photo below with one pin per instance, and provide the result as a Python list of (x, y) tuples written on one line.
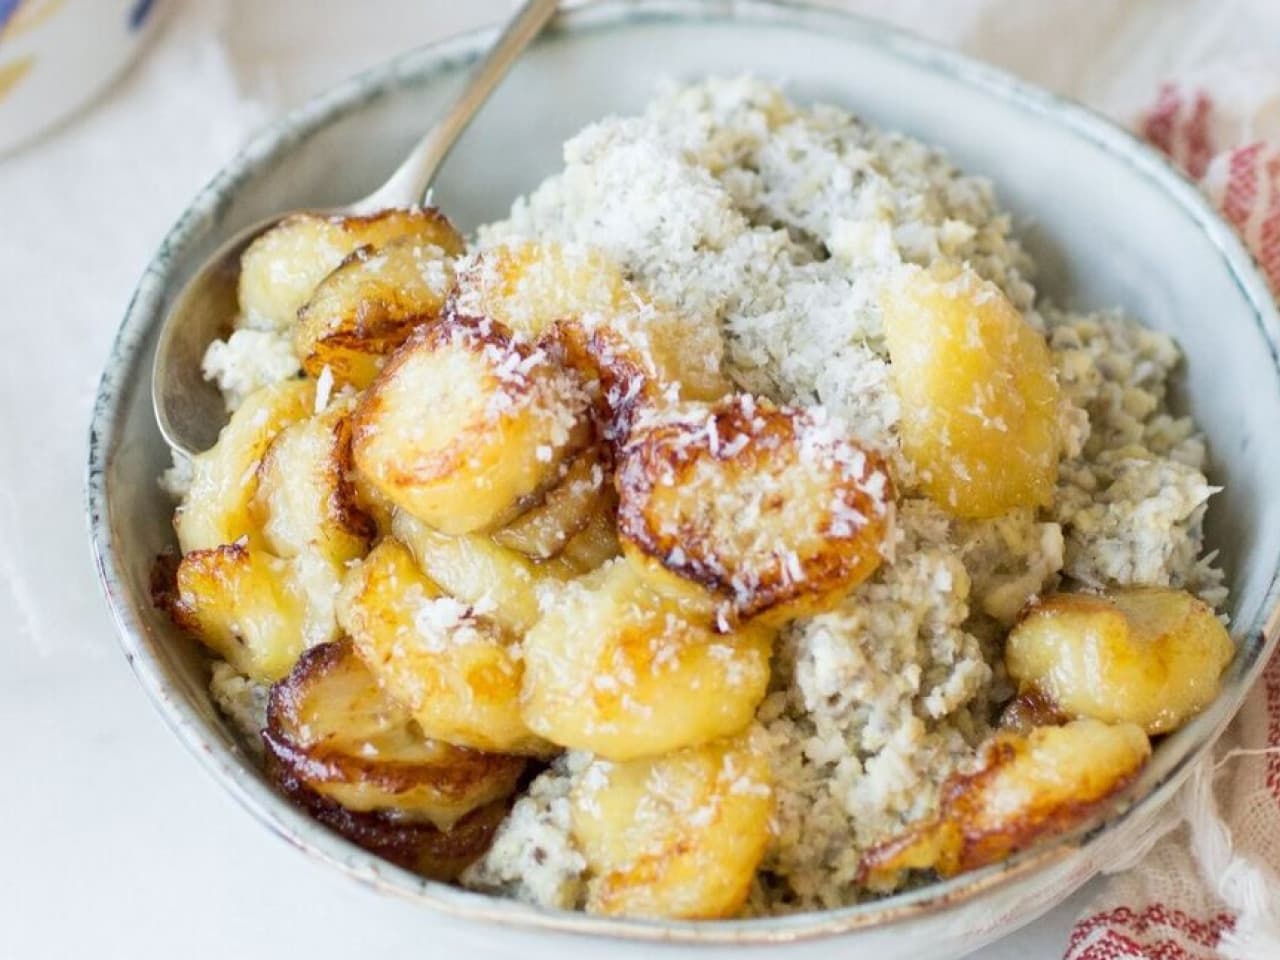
[(1157, 128), (1126, 934), (1178, 125), (1199, 146), (1242, 186), (1268, 241), (1271, 686), (1111, 945), (1116, 946)]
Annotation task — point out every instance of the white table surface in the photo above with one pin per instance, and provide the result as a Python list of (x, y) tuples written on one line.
[(113, 842)]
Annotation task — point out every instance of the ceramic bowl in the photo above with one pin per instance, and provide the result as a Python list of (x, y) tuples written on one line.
[(1108, 219), (55, 55)]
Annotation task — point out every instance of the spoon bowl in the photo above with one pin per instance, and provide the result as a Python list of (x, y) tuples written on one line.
[(189, 409)]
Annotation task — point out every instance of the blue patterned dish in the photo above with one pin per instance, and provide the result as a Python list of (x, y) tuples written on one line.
[(55, 55)]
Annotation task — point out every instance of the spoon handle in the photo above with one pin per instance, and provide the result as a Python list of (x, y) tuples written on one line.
[(408, 185)]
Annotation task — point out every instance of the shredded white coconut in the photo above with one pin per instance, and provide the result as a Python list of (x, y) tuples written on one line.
[(177, 479), (248, 360), (324, 389)]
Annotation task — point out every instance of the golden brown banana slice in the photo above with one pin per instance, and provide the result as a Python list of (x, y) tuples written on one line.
[(245, 605), (677, 836), (1031, 709), (281, 269), (979, 397), (625, 383), (465, 428), (765, 511), (334, 727), (217, 509), (304, 501), (544, 531), (597, 543), (421, 847), (507, 585), (366, 308), (1153, 656), (452, 667), (293, 523), (614, 668), (530, 287), (1026, 788)]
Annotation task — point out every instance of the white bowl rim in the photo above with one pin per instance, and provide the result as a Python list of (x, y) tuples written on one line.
[(227, 763)]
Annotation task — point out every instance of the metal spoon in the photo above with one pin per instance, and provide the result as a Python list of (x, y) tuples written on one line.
[(189, 410)]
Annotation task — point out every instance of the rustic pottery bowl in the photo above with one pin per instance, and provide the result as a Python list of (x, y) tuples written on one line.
[(1108, 219)]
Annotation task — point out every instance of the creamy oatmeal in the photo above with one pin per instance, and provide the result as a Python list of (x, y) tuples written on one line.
[(775, 225), (756, 246)]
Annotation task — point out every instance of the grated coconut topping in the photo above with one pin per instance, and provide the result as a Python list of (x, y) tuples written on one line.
[(755, 238), (776, 227)]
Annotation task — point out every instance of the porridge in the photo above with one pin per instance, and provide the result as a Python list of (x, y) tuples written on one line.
[(728, 530)]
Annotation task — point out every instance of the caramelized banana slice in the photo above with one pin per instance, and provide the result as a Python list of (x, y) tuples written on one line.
[(529, 287), (1031, 709), (292, 524), (335, 729), (280, 269), (368, 306), (465, 429), (480, 573), (597, 543), (1026, 788), (626, 383), (1152, 656), (614, 668), (451, 666), (545, 530), (370, 501), (245, 605), (217, 509), (769, 512), (980, 406), (304, 500), (677, 836), (420, 847)]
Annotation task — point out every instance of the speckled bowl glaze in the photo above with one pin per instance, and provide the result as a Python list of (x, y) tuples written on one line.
[(1108, 219)]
